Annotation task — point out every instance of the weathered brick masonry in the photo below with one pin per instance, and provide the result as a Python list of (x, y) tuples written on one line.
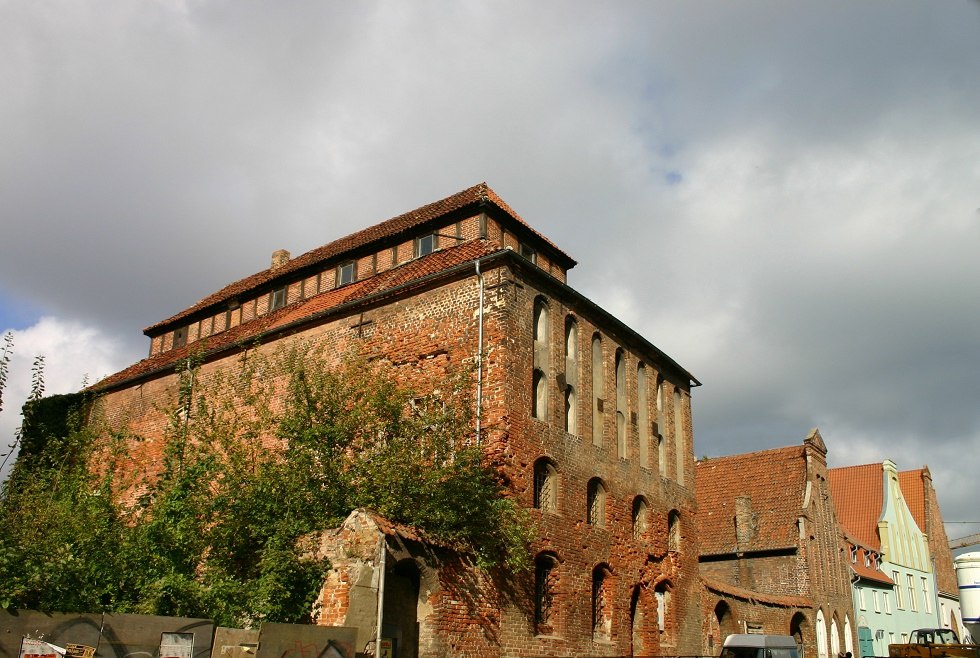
[(587, 422)]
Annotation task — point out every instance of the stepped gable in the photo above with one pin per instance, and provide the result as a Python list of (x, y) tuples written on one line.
[(774, 481), (857, 492), (475, 196), (307, 310)]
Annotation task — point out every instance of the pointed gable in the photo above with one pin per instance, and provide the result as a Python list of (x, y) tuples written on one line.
[(857, 494), (750, 502)]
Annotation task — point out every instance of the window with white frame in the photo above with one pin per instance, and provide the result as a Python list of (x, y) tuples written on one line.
[(874, 599), (899, 600), (860, 592), (888, 602), (910, 579), (425, 245), (346, 273), (926, 602)]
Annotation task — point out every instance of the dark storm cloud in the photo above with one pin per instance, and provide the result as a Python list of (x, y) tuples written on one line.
[(782, 197)]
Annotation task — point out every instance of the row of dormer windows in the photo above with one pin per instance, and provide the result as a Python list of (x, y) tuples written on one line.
[(653, 438), (348, 271)]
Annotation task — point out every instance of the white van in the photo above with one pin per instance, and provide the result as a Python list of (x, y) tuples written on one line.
[(748, 645)]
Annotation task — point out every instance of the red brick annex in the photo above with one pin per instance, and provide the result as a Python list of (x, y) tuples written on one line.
[(588, 422)]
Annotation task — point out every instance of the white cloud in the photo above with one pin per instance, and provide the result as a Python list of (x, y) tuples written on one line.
[(73, 355)]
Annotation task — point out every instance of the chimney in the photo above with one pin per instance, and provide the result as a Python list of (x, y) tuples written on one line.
[(746, 522), (279, 258)]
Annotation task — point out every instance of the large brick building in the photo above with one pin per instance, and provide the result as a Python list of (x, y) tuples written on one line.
[(587, 421), (771, 550)]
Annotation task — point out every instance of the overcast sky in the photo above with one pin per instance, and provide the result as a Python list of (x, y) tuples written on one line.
[(784, 197)]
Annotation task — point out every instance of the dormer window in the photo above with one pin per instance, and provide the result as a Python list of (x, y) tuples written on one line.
[(425, 245), (346, 273), (528, 252), (278, 298)]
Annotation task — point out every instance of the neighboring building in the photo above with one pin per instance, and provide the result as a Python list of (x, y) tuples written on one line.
[(587, 421), (896, 565), (771, 549)]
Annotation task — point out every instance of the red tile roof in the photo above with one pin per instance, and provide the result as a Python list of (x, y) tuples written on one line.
[(787, 601), (415, 271), (913, 491), (868, 572), (857, 492), (774, 480), (473, 196)]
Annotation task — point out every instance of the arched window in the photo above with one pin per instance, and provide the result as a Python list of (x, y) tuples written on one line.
[(641, 517), (601, 602), (834, 637), (621, 409), (545, 586), (848, 642), (545, 485), (598, 390), (571, 375), (674, 531), (539, 383), (680, 444), (642, 415), (596, 512)]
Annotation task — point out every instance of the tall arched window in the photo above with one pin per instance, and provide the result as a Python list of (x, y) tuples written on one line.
[(643, 415), (545, 587), (571, 375), (539, 383), (834, 637), (641, 517), (545, 485), (621, 410), (661, 594), (680, 444), (821, 635), (596, 512), (598, 390), (601, 602)]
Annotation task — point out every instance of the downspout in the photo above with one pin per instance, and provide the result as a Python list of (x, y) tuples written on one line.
[(479, 357), (381, 593)]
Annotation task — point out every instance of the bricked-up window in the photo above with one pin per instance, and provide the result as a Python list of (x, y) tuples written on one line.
[(598, 390), (346, 273), (571, 375), (278, 298), (545, 485), (602, 602), (641, 517), (596, 512), (621, 408), (674, 531), (545, 587), (180, 336), (539, 383), (642, 415), (425, 245), (680, 442), (661, 443)]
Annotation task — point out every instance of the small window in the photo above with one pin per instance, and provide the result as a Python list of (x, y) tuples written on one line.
[(596, 512), (278, 298), (425, 245), (180, 337), (346, 273), (528, 252), (545, 584), (545, 485)]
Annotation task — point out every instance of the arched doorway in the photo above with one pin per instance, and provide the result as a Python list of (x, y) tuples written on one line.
[(723, 624), (401, 602), (799, 629)]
